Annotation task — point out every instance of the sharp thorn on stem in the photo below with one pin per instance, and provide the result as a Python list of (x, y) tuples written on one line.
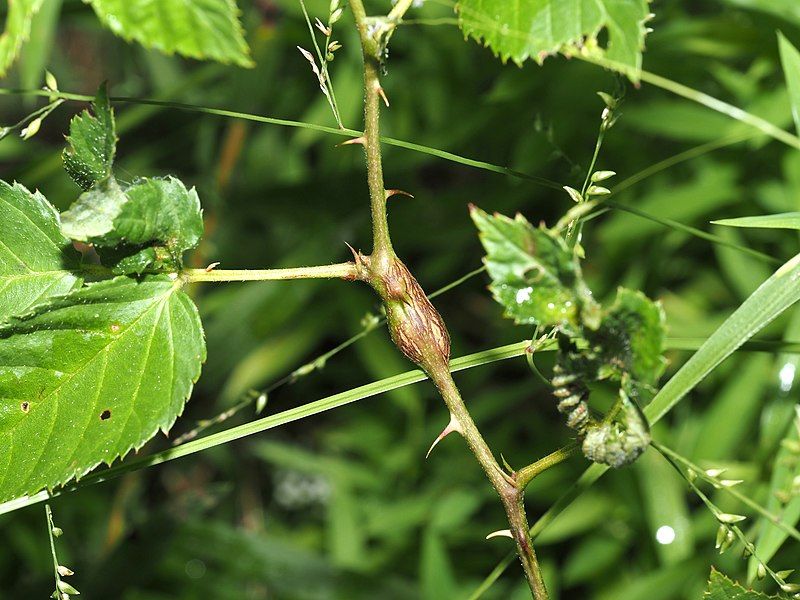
[(390, 193), (382, 94), (451, 427), (359, 140), (500, 533), (357, 256)]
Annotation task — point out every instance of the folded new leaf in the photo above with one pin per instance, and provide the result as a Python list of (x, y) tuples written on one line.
[(92, 142), (157, 212)]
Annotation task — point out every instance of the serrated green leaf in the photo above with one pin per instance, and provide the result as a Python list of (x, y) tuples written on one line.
[(36, 260), (159, 212), (790, 59), (537, 28), (789, 220), (92, 375), (17, 31), (631, 336), (92, 143), (533, 272), (202, 29), (722, 588)]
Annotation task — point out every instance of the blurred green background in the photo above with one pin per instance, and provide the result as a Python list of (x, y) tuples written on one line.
[(343, 505)]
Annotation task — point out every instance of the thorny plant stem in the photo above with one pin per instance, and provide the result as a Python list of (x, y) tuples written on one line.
[(417, 328), (346, 270)]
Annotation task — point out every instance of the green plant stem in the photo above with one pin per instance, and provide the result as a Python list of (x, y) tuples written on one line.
[(417, 328), (369, 390), (706, 100), (399, 9), (50, 527), (346, 270), (271, 421), (510, 493), (526, 474), (771, 517)]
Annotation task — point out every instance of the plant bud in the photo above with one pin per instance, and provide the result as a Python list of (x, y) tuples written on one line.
[(722, 533), (761, 572), (65, 571), (66, 588), (730, 519), (416, 327)]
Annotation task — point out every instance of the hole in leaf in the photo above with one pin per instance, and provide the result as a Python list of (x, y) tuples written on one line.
[(106, 414), (25, 406)]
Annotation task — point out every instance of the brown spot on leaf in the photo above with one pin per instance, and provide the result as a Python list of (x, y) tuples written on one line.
[(25, 406), (105, 415)]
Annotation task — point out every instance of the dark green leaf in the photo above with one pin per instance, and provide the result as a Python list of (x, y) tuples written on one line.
[(630, 338), (533, 271), (203, 29), (91, 376), (36, 260), (537, 28), (18, 29), (92, 143)]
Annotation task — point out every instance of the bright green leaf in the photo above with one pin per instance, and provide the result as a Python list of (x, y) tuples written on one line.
[(789, 220), (36, 260), (771, 298), (533, 271), (202, 29), (790, 59), (536, 28), (722, 588), (160, 212), (92, 143), (18, 29), (91, 376)]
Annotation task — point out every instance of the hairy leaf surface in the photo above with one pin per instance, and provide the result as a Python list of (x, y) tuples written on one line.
[(203, 29), (151, 210), (631, 336), (17, 31), (153, 222), (536, 28), (36, 260), (91, 376), (92, 143)]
